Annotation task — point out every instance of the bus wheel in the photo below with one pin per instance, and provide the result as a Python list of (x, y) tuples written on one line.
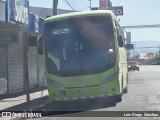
[(118, 98), (125, 90)]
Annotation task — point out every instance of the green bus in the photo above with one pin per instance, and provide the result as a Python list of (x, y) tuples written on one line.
[(85, 56)]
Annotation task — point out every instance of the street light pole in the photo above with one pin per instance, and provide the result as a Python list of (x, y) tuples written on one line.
[(134, 43)]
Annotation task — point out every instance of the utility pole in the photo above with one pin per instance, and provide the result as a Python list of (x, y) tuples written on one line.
[(25, 64), (55, 4), (90, 6), (134, 43)]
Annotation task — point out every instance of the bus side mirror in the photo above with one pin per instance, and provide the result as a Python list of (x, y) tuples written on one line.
[(120, 41), (40, 44)]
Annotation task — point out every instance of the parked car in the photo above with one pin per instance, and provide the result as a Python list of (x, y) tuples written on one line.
[(133, 65)]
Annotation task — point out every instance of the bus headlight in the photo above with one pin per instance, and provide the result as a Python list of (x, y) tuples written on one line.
[(54, 83)]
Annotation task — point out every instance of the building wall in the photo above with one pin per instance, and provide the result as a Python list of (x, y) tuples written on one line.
[(3, 69), (41, 75), (15, 66), (2, 9), (43, 12), (32, 66), (35, 61)]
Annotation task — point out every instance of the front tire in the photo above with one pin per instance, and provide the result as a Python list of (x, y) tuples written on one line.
[(118, 98), (125, 90)]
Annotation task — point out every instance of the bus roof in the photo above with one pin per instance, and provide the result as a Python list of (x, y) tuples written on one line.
[(69, 15)]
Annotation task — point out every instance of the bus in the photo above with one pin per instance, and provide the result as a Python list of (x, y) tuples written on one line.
[(84, 55)]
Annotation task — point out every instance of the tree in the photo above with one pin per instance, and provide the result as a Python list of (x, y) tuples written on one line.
[(151, 56)]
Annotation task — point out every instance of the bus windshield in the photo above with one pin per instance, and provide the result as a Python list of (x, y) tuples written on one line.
[(80, 45)]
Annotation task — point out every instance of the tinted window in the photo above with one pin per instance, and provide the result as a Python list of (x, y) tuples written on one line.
[(79, 45)]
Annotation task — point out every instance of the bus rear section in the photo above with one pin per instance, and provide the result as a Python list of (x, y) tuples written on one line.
[(80, 57)]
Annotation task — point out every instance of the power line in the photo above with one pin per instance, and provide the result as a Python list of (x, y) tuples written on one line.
[(84, 8), (75, 4), (69, 5), (142, 26)]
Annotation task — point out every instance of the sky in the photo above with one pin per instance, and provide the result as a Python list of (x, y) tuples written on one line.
[(136, 12)]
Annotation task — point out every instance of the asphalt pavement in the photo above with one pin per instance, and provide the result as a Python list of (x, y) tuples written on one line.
[(143, 95)]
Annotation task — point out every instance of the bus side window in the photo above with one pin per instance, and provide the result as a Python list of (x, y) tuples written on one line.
[(120, 41), (119, 37)]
